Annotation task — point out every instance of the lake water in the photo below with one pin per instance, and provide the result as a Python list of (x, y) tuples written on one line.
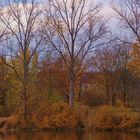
[(69, 136)]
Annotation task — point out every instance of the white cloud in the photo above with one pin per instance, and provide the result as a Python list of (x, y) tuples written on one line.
[(8, 16), (107, 11)]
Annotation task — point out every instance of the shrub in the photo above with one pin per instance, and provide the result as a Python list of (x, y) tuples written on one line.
[(108, 117), (57, 115), (82, 112), (60, 116)]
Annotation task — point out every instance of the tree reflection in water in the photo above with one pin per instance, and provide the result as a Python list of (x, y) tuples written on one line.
[(68, 136)]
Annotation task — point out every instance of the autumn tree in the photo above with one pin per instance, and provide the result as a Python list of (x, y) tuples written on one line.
[(124, 74), (53, 76), (4, 87), (105, 62), (134, 68), (134, 63), (22, 20), (74, 29)]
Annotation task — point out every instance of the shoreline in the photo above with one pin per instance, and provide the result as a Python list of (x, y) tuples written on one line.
[(19, 129)]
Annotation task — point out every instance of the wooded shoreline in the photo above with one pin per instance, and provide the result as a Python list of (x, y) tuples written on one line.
[(62, 66), (105, 118)]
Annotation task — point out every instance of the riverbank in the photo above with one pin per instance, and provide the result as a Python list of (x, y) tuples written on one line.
[(59, 116), (53, 135)]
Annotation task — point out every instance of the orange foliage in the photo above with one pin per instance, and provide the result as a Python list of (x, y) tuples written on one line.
[(54, 75), (108, 117), (58, 115)]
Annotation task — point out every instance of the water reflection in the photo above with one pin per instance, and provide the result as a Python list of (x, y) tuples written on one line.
[(68, 136)]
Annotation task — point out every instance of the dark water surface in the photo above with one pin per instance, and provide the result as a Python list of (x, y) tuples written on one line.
[(69, 136)]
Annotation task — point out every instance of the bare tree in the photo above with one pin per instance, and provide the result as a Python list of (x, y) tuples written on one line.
[(105, 61), (112, 62), (23, 24), (3, 29), (126, 79), (128, 12), (74, 28)]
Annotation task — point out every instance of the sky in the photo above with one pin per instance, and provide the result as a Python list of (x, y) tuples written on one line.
[(106, 10)]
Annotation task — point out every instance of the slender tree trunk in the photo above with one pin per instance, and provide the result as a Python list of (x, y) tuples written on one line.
[(124, 92), (80, 90), (50, 92), (107, 92), (25, 102), (72, 80), (25, 84), (113, 99), (124, 99), (4, 105), (71, 92)]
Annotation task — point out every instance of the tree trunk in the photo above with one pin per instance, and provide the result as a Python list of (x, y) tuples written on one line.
[(113, 99), (80, 90), (71, 92), (25, 84), (107, 92), (25, 102), (124, 99)]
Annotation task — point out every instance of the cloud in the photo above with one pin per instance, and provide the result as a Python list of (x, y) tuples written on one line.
[(107, 11), (9, 14)]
